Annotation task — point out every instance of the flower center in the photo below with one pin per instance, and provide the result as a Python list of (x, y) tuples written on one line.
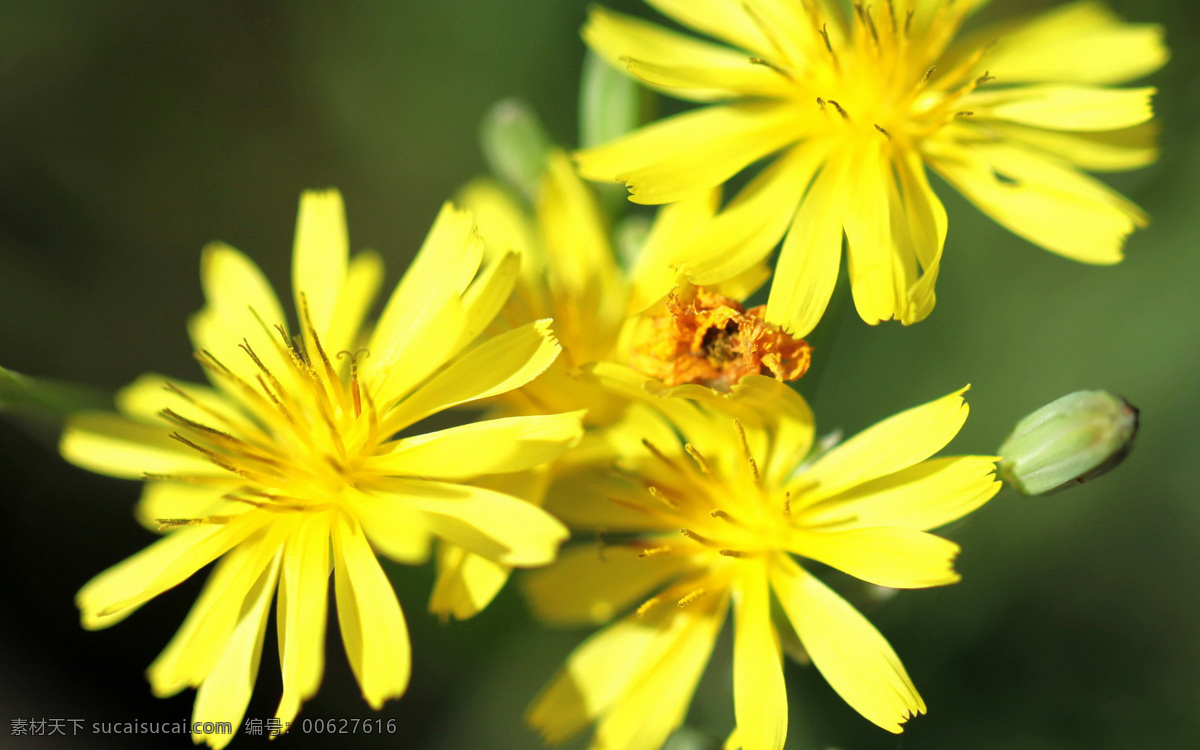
[(311, 427), (730, 514), (712, 340), (883, 75)]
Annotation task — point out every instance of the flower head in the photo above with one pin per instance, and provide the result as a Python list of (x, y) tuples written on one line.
[(712, 340), (854, 106), (603, 312), (289, 466), (712, 507), (639, 316)]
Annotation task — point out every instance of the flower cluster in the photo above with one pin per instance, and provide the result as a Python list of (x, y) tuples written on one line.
[(642, 405)]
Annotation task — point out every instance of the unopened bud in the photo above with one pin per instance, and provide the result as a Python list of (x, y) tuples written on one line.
[(1069, 441), (515, 145), (610, 102)]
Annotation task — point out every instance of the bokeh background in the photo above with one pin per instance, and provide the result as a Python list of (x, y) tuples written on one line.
[(132, 132)]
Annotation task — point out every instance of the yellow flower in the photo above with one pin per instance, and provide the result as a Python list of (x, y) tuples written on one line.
[(601, 313), (289, 466), (712, 506), (568, 272), (853, 106)]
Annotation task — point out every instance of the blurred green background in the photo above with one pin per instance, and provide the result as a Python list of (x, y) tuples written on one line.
[(134, 132)]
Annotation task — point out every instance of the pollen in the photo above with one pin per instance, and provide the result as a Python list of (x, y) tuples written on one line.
[(712, 340)]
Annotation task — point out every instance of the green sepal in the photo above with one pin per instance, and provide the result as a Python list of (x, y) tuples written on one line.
[(44, 399)]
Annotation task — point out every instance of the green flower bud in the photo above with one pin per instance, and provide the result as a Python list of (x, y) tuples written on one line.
[(515, 145), (1069, 441), (610, 102)]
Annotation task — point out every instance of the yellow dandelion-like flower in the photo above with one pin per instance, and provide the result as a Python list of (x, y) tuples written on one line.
[(854, 104), (568, 272), (603, 313), (712, 507), (290, 465)]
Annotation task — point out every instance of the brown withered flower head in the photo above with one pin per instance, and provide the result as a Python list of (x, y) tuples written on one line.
[(712, 340)]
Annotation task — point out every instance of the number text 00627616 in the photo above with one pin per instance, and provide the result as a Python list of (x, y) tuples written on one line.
[(346, 726)]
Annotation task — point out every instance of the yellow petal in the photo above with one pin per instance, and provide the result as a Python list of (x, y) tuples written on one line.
[(923, 236), (490, 447), (790, 423), (357, 296), (108, 444), (808, 262), (889, 556), (637, 676), (1110, 151), (733, 741), (575, 233), (498, 365), (373, 628), (502, 220), (1027, 166), (442, 270), (666, 160), (147, 397), (791, 28), (466, 583), (487, 296), (584, 501), (242, 310), (720, 19), (164, 500), (320, 255), (226, 691), (669, 244), (431, 343), (1063, 107), (594, 676), (759, 695), (656, 700), (591, 583), (302, 607), (935, 18), (679, 64), (871, 257), (1046, 202), (922, 497), (497, 526), (634, 385), (849, 652), (893, 444), (198, 644), (506, 227), (396, 530), (749, 228), (734, 74), (1081, 42), (114, 594)]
